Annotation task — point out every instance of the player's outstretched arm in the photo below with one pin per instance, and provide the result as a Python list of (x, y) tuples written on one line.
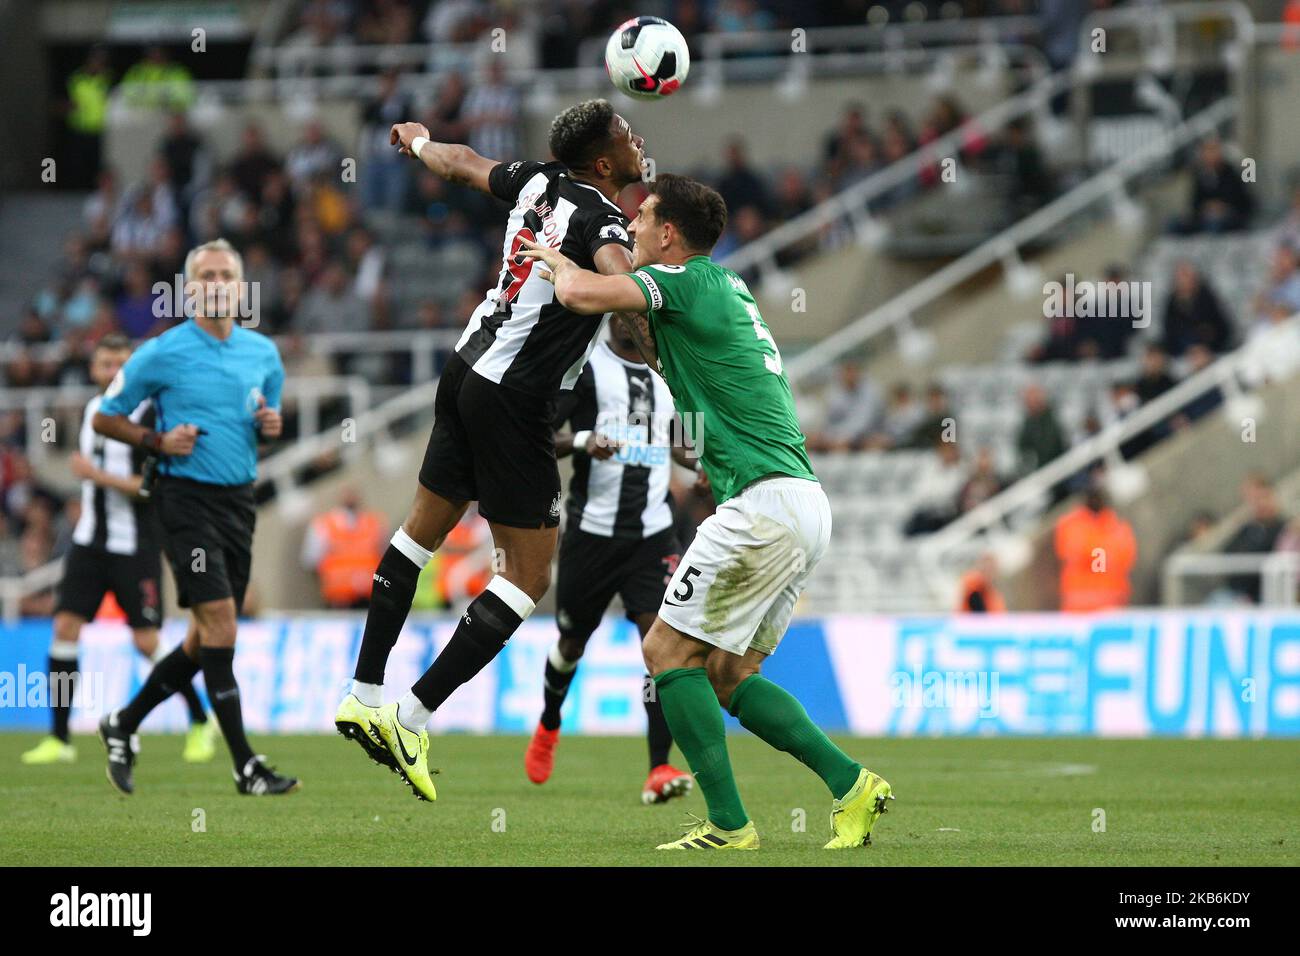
[(581, 290), (454, 162)]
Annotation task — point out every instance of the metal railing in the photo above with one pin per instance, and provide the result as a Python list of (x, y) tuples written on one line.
[(1231, 374), (1278, 572), (853, 203), (306, 394), (1109, 185), (13, 590), (708, 49)]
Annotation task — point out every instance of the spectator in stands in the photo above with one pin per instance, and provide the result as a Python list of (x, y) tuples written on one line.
[(312, 156), (862, 161), (157, 82), (139, 229), (1258, 534), (1097, 550), (134, 310), (1106, 334), (342, 547), (102, 206), (739, 184), (1193, 314), (1154, 378), (222, 209), (1061, 344), (1272, 349), (492, 114), (385, 174), (853, 410), (852, 126), (897, 143), (86, 111), (188, 159), (937, 489), (982, 484), (977, 592), (1020, 159), (446, 118), (253, 163), (1288, 230), (1220, 201), (947, 115), (1280, 298), (1199, 357), (163, 192), (1041, 438), (937, 424), (388, 22), (331, 305), (742, 16), (903, 415)]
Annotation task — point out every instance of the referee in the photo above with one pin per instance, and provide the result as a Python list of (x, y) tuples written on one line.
[(216, 386)]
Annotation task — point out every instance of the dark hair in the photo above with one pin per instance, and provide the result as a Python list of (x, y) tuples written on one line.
[(581, 133), (697, 211), (114, 342)]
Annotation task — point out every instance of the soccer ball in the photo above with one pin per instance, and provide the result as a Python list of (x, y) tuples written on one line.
[(647, 58)]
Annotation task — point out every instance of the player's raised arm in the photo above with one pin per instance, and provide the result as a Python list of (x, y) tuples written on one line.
[(581, 290), (454, 162)]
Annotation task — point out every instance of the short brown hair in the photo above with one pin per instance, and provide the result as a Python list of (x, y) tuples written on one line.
[(113, 342), (697, 211)]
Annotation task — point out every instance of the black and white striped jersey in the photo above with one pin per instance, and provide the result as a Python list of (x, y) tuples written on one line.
[(111, 521), (519, 336), (625, 496)]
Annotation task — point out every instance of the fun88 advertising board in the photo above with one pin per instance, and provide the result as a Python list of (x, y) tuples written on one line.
[(1178, 673)]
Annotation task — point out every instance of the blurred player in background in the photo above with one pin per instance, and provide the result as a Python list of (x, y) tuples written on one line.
[(730, 601), (114, 548), (619, 538), (493, 438)]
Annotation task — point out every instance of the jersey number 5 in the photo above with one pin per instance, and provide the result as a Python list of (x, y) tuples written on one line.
[(773, 361)]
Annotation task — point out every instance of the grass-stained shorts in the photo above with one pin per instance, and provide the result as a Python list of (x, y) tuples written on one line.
[(738, 582)]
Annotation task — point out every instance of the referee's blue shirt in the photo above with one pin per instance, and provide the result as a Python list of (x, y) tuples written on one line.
[(195, 378)]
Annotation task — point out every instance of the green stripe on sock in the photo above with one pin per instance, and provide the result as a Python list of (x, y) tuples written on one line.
[(691, 709), (775, 716)]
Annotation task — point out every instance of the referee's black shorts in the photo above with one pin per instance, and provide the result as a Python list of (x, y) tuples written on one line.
[(494, 445), (208, 536), (135, 580), (593, 568)]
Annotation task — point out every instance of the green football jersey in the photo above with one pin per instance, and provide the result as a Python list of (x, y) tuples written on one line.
[(724, 370)]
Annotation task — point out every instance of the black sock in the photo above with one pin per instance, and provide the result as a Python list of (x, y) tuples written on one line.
[(555, 687), (197, 714), (483, 630), (219, 676), (391, 594), (63, 684), (658, 736), (169, 675)]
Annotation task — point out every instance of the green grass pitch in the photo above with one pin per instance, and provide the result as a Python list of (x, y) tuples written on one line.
[(960, 802)]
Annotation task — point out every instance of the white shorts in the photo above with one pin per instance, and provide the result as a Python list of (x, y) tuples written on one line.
[(737, 584)]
